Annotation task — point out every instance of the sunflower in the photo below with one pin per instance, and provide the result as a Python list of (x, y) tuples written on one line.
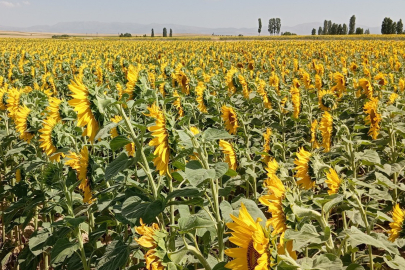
[(381, 79), (340, 81), (82, 105), (160, 139), (306, 79), (398, 226), (267, 138), (253, 251), (229, 80), (177, 104), (282, 104), (80, 163), (243, 83), (333, 181), (296, 101), (22, 123), (275, 81), (288, 247), (181, 78), (262, 92), (367, 87), (3, 98), (401, 85), (373, 117), (326, 100), (314, 129), (302, 168), (273, 199), (148, 240), (114, 131), (326, 128), (200, 97), (13, 101), (194, 130), (230, 118), (230, 155), (48, 141), (132, 77), (318, 82), (18, 175), (53, 108), (392, 98)]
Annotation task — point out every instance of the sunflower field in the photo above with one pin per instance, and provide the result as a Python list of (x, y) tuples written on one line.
[(248, 155)]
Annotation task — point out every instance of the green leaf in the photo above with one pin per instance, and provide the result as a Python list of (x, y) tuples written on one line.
[(220, 266), (226, 210), (75, 222), (184, 192), (133, 210), (185, 139), (62, 250), (116, 255), (368, 157), (355, 266), (178, 255), (194, 222), (397, 263), (302, 212), (118, 165), (328, 261), (252, 208), (307, 235), (118, 142), (105, 131), (335, 200), (358, 237), (212, 134), (220, 169), (37, 241), (196, 174)]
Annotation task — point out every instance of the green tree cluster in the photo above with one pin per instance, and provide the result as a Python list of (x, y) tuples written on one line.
[(274, 26), (388, 26)]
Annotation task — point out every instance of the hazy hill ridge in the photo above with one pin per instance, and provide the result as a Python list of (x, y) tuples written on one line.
[(93, 27)]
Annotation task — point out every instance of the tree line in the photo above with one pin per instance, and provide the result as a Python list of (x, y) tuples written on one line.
[(274, 26), (330, 28), (164, 32), (388, 26)]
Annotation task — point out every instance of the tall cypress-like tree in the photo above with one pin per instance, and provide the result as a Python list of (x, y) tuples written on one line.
[(260, 26), (394, 28), (270, 28), (152, 34), (352, 25), (313, 31), (325, 27), (329, 27), (164, 32), (278, 25), (320, 32), (400, 27), (171, 33), (344, 30)]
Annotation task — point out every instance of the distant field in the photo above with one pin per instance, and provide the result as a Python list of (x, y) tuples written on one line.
[(12, 34)]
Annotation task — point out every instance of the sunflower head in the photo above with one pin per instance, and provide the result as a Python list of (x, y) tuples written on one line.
[(398, 225), (304, 170), (230, 118), (230, 155), (149, 240), (327, 100), (253, 251), (333, 181)]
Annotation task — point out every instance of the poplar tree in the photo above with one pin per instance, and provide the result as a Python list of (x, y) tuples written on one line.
[(313, 31), (152, 33), (352, 25), (400, 27), (325, 27), (344, 30), (260, 26), (320, 32), (164, 32)]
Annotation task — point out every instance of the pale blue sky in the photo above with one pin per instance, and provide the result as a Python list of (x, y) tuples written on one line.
[(204, 13)]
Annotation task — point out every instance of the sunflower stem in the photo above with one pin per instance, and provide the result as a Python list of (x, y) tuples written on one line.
[(365, 220), (138, 145), (198, 255)]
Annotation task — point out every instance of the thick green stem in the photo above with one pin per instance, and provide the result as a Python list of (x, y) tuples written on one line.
[(198, 255), (138, 145)]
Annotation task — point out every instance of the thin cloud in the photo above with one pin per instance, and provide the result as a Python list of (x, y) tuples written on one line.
[(13, 5)]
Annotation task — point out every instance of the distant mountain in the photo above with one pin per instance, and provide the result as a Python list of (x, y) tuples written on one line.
[(92, 27)]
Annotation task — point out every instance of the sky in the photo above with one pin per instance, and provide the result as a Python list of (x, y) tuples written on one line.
[(203, 13)]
